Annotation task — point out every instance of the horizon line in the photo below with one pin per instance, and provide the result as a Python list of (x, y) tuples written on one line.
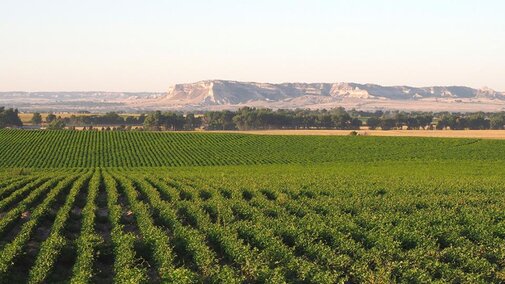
[(254, 82)]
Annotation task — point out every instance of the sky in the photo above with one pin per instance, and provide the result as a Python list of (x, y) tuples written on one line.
[(148, 45)]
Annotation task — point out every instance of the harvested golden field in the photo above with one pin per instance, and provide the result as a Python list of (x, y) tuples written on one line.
[(483, 134)]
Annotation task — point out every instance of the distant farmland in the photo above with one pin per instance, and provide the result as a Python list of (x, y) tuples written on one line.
[(479, 134), (133, 207)]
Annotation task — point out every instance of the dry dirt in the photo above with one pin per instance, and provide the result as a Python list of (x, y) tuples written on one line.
[(482, 134)]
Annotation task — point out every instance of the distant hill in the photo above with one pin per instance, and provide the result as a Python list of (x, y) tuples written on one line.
[(221, 94), (74, 101)]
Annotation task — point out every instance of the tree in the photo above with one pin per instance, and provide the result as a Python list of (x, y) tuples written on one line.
[(36, 118), (425, 120), (356, 123), (412, 123), (388, 123), (400, 119), (219, 120), (192, 122), (141, 118), (2, 120), (478, 121), (112, 118), (373, 123), (497, 121), (153, 120), (454, 122), (168, 121), (9, 118), (327, 121), (227, 120), (342, 120), (246, 118), (130, 120), (56, 124), (50, 117), (444, 121), (460, 123)]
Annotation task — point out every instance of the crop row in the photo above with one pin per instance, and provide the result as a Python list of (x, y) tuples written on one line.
[(238, 226), (70, 149), (11, 250)]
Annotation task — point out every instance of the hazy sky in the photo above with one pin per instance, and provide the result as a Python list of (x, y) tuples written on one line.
[(147, 45)]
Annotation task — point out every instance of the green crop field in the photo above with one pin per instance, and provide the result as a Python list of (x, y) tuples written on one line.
[(133, 207)]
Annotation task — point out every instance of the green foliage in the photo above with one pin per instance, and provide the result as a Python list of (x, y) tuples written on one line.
[(302, 209), (88, 239), (497, 121), (373, 123), (63, 149), (36, 118), (50, 118), (51, 247), (9, 118), (170, 121), (11, 250), (56, 124), (126, 269)]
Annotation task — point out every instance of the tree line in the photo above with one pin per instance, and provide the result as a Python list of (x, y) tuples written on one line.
[(9, 118), (440, 121), (249, 118), (109, 118)]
